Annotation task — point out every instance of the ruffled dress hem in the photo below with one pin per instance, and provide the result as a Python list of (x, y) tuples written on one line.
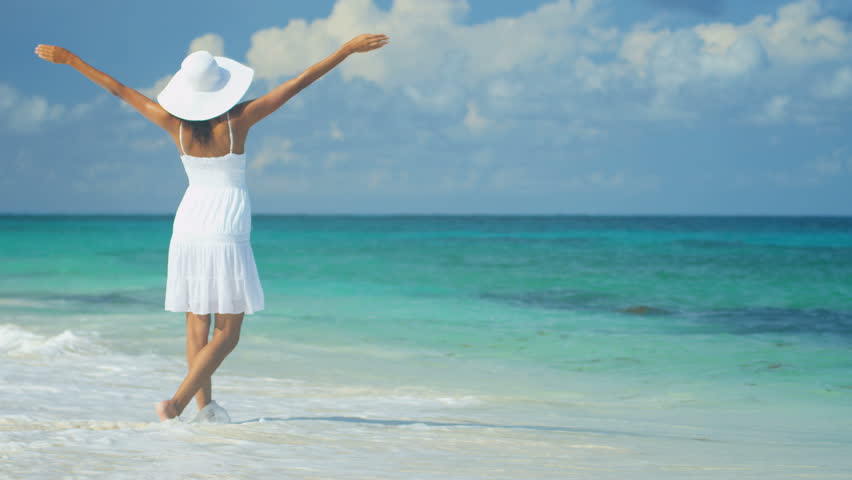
[(212, 278)]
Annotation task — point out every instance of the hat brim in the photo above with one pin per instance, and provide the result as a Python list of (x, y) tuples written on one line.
[(182, 101)]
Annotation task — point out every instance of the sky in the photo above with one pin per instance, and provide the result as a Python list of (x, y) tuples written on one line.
[(680, 107)]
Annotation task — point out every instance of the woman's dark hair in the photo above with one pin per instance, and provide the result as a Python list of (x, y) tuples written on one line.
[(202, 130)]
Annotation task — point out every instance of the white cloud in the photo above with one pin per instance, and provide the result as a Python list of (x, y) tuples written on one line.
[(275, 150), (20, 113), (211, 42), (432, 52), (335, 132), (579, 129), (636, 45), (546, 60), (672, 60), (618, 180), (443, 99), (482, 157), (839, 162), (597, 77), (473, 120), (377, 177), (775, 110), (503, 93), (800, 33), (837, 87), (153, 91), (744, 55), (82, 109), (820, 171), (687, 53)]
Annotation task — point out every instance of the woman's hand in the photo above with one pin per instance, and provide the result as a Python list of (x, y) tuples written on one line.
[(54, 54), (366, 42)]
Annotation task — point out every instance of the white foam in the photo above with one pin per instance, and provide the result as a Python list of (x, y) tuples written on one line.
[(17, 342), (89, 409)]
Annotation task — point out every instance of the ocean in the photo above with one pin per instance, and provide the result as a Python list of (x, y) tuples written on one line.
[(440, 347)]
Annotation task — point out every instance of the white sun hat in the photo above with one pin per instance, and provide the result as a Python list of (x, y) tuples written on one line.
[(205, 86)]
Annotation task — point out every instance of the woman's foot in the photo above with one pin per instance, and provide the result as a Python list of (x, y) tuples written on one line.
[(212, 413), (166, 410)]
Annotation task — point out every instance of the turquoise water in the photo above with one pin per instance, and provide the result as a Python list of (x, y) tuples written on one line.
[(649, 320), (728, 297)]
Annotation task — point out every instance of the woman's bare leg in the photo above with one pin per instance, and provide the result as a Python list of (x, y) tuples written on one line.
[(197, 334), (225, 338)]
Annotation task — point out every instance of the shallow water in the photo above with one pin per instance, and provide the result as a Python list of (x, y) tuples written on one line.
[(440, 347)]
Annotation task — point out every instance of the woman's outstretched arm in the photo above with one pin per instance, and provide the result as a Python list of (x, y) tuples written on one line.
[(255, 110), (147, 107)]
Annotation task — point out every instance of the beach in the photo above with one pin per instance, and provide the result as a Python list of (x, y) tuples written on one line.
[(445, 347)]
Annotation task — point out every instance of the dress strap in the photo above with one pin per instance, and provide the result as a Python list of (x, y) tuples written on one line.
[(230, 133), (180, 136)]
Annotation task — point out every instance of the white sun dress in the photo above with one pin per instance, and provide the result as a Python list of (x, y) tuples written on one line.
[(211, 267)]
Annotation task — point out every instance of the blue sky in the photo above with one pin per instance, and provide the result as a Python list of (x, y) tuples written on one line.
[(477, 106)]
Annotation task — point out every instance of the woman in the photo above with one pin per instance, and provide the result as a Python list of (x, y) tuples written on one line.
[(211, 268)]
